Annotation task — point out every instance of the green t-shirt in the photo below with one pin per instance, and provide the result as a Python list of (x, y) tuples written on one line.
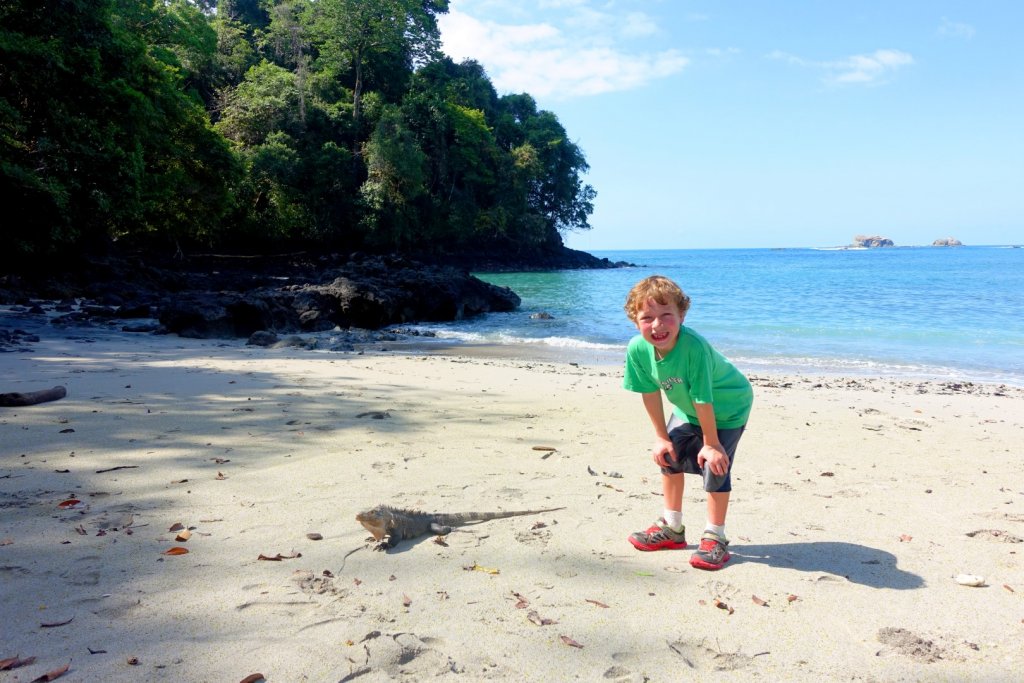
[(692, 372)]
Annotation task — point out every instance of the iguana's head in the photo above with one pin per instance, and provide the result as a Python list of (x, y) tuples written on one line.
[(374, 521)]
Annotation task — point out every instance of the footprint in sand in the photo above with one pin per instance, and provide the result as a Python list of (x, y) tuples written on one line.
[(909, 644), (402, 656), (319, 585), (720, 589), (539, 537), (621, 674), (85, 572)]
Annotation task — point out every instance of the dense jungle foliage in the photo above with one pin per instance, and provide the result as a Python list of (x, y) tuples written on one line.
[(268, 125)]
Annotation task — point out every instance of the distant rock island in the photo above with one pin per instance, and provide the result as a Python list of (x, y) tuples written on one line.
[(872, 241), (947, 242)]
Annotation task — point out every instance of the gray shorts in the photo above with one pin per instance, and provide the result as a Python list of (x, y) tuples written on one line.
[(688, 440)]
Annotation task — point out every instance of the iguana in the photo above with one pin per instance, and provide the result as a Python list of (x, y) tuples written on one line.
[(390, 525)]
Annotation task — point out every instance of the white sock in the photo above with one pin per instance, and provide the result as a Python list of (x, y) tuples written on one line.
[(674, 518), (716, 529)]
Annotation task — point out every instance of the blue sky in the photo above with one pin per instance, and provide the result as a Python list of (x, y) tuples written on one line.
[(752, 123)]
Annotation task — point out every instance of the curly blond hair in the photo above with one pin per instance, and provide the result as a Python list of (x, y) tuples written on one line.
[(658, 288)]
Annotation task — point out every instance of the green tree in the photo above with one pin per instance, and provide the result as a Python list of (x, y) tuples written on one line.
[(264, 102), (98, 131), (234, 56), (558, 192), (351, 33), (395, 180)]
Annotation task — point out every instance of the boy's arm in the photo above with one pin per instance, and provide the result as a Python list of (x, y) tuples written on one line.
[(712, 452), (656, 412)]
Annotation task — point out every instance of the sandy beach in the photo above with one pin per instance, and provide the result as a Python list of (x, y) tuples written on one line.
[(857, 502)]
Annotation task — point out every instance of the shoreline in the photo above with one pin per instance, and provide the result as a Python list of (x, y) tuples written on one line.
[(844, 549), (408, 340)]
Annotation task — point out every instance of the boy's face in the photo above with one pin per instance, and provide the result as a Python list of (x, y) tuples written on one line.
[(659, 325)]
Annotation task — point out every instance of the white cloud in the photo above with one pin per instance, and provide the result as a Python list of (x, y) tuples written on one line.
[(638, 25), (866, 69), (955, 29), (579, 51), (721, 52)]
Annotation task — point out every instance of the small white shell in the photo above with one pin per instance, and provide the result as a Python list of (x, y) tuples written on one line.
[(970, 580)]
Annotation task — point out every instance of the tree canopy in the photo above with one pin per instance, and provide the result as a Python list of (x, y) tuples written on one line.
[(267, 124)]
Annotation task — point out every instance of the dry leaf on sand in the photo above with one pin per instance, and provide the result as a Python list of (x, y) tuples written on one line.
[(722, 605), (278, 557), (538, 619), (15, 662), (52, 675)]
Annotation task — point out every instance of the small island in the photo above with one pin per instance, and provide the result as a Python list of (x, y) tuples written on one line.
[(947, 242), (872, 241)]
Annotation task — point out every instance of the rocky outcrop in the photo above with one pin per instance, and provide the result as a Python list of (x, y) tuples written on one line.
[(235, 296), (370, 294), (872, 241), (947, 242)]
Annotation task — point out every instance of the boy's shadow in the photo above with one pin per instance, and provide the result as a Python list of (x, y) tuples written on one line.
[(856, 563)]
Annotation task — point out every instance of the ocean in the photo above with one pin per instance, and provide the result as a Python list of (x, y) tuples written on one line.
[(937, 313)]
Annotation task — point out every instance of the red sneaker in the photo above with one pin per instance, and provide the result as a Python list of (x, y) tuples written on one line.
[(712, 553), (659, 536)]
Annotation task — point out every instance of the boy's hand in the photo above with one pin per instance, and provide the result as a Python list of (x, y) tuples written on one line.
[(663, 453), (715, 457)]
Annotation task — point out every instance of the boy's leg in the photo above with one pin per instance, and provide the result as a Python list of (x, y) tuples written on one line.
[(672, 486), (712, 552), (718, 506)]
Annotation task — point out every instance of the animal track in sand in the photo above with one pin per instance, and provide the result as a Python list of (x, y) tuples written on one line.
[(997, 535), (1008, 516), (698, 655)]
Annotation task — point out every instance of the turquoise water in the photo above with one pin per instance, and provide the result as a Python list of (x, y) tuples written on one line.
[(922, 312)]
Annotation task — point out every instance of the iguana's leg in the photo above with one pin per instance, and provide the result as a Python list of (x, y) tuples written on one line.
[(384, 543), (440, 529)]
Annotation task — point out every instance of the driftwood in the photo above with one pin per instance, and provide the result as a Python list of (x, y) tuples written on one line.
[(30, 398)]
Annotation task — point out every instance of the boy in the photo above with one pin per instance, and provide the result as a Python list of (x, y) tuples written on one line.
[(711, 402)]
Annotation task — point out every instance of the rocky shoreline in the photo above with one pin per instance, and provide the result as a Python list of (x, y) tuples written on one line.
[(234, 296)]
